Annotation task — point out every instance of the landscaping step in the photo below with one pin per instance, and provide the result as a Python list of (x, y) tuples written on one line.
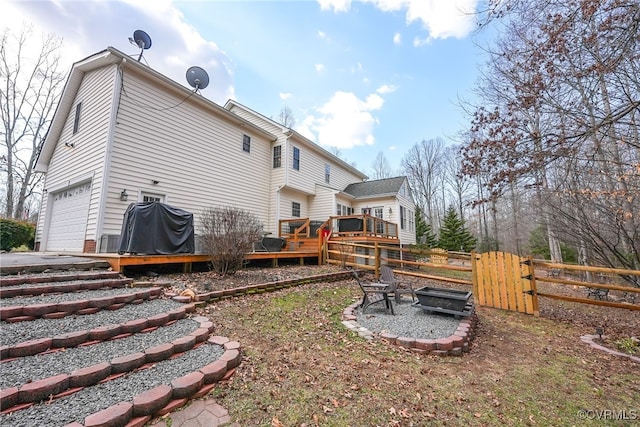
[(152, 390), (91, 336), (20, 309), (60, 371), (55, 265), (58, 277), (93, 348), (40, 288)]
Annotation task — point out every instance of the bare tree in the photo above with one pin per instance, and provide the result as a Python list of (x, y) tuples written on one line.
[(423, 167), (381, 167), (560, 117), (286, 118), (29, 89)]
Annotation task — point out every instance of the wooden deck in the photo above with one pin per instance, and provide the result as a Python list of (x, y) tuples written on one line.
[(120, 262)]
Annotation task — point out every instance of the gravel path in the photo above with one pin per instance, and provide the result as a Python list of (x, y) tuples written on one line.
[(408, 322), (14, 333), (40, 366), (69, 296), (92, 399)]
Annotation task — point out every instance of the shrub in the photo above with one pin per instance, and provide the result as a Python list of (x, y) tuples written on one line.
[(228, 233), (15, 233)]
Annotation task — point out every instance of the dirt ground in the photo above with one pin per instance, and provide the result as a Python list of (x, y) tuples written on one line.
[(301, 367)]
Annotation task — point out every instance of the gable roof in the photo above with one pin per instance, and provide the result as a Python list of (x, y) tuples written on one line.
[(112, 56), (376, 188)]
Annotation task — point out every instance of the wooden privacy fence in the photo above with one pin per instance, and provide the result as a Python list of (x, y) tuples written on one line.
[(499, 279), (504, 280)]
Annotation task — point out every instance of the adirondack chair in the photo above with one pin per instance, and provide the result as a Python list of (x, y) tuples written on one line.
[(387, 277), (374, 293)]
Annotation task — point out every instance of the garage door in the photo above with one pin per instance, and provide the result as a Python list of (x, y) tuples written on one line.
[(68, 223)]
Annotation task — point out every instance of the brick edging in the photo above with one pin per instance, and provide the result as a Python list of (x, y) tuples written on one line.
[(62, 385), (164, 399), (263, 287), (74, 285), (590, 339), (86, 337), (454, 345), (67, 277), (22, 313)]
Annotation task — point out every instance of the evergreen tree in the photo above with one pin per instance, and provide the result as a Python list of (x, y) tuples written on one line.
[(453, 234), (424, 233)]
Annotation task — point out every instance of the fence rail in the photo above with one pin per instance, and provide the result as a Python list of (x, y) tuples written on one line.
[(458, 267)]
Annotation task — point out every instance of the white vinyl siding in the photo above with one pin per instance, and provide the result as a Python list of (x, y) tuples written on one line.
[(312, 171), (70, 165), (207, 168), (321, 205)]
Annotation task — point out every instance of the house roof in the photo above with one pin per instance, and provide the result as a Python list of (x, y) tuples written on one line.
[(112, 56), (375, 188)]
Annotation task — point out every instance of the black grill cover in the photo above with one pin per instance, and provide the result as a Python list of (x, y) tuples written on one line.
[(156, 228)]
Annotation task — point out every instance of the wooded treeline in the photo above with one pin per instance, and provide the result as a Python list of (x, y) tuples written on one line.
[(552, 155)]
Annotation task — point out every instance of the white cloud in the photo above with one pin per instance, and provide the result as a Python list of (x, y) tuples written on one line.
[(397, 38), (176, 44), (441, 18), (285, 95), (319, 68), (322, 34), (392, 148), (344, 122), (336, 5), (384, 89)]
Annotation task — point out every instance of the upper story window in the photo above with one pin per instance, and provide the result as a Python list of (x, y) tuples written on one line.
[(403, 217), (296, 158), (277, 156), (295, 209), (76, 120), (327, 173), (246, 143)]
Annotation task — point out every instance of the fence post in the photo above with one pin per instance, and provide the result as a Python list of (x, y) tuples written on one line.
[(534, 289), (474, 275), (376, 261)]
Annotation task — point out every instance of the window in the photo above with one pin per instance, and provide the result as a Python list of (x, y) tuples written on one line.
[(296, 158), (327, 173), (295, 209), (277, 156), (403, 217), (343, 209), (246, 143), (76, 120), (150, 198)]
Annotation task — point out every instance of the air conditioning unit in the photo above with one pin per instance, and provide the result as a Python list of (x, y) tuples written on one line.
[(109, 243)]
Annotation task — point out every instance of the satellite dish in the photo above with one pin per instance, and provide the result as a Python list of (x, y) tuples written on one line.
[(142, 40), (197, 78)]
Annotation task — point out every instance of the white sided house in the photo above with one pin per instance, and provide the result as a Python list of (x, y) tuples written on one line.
[(125, 133)]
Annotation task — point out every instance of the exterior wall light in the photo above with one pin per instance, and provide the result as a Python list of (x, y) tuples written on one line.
[(124, 196)]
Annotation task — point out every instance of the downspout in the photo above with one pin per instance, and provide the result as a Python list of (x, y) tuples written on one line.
[(113, 118)]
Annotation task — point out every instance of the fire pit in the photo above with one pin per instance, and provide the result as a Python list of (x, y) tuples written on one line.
[(440, 300)]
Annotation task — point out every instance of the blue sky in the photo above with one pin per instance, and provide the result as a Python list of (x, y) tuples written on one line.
[(361, 76)]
